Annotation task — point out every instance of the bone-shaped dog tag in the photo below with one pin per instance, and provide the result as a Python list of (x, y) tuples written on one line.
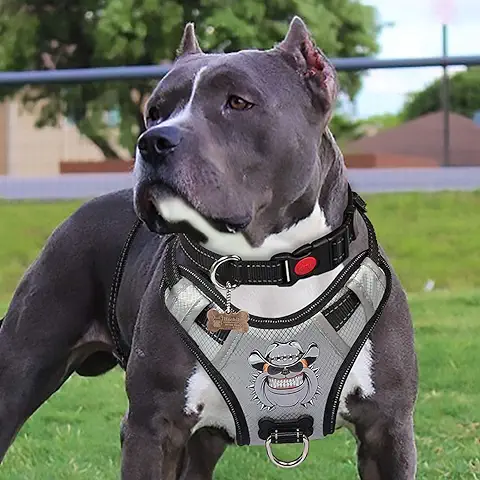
[(227, 320), (236, 321)]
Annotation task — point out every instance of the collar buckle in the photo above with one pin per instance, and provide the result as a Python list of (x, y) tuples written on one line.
[(304, 262)]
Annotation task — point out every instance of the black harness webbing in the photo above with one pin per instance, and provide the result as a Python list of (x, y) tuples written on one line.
[(121, 349)]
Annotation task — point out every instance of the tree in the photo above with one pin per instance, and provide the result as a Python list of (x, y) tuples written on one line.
[(464, 94), (58, 34), (382, 121), (345, 128)]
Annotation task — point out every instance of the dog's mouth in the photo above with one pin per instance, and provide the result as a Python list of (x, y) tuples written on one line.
[(286, 383), (155, 205)]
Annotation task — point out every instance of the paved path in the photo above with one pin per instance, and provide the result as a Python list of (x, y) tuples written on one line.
[(362, 180), (415, 179)]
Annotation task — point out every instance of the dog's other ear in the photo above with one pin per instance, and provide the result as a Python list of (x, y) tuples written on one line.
[(189, 44), (310, 62)]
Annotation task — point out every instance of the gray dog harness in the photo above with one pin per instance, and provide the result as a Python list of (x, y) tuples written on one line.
[(281, 379)]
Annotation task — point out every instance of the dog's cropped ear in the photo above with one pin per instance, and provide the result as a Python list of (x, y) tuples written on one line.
[(189, 44), (310, 62)]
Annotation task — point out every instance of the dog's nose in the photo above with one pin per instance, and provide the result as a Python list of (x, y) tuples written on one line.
[(158, 140)]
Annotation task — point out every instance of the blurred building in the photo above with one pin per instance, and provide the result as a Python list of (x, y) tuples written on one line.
[(29, 151), (417, 143)]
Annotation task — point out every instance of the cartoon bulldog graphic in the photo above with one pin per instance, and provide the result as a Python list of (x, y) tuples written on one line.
[(284, 377)]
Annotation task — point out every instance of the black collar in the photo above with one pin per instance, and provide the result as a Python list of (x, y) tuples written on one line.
[(283, 269)]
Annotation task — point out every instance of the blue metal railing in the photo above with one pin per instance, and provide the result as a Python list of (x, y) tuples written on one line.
[(81, 75)]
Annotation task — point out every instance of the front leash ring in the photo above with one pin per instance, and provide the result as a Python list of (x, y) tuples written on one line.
[(275, 437)]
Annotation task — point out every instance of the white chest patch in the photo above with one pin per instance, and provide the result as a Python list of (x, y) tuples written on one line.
[(360, 377), (203, 397)]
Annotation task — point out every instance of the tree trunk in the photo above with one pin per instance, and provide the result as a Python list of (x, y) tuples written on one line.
[(100, 141)]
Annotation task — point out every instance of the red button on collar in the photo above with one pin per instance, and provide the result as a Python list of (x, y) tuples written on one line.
[(305, 265)]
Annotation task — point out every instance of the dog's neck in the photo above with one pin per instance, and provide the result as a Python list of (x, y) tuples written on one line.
[(305, 231), (327, 214)]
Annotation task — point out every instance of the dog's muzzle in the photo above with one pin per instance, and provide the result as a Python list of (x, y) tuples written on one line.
[(157, 142), (157, 181)]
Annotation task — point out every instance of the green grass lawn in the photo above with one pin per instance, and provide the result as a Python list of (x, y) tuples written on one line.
[(428, 236)]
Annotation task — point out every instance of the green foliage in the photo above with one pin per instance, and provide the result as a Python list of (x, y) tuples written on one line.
[(344, 128), (347, 129), (383, 121), (55, 34), (464, 94)]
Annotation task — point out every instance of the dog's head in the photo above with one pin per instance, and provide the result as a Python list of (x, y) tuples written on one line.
[(233, 139)]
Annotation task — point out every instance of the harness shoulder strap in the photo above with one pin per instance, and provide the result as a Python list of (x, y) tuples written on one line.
[(120, 348)]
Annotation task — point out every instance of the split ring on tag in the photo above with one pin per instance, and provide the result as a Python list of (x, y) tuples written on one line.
[(227, 320)]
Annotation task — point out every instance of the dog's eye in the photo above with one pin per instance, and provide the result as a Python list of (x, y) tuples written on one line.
[(238, 103), (153, 116)]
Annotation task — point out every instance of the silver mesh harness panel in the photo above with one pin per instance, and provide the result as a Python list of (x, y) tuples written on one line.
[(283, 369)]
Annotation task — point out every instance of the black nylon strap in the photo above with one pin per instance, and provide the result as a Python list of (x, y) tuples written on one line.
[(329, 252), (340, 311), (121, 350)]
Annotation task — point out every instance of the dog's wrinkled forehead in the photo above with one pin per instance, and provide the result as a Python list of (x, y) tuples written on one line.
[(248, 74)]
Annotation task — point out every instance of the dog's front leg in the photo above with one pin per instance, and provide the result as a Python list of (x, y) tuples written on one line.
[(154, 442), (204, 450), (156, 428), (386, 449), (52, 308)]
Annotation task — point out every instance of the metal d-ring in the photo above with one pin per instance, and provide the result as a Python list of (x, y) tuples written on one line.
[(216, 265), (292, 463)]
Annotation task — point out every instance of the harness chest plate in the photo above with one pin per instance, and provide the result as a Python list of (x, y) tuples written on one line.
[(288, 370)]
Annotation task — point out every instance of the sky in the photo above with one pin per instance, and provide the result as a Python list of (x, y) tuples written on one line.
[(416, 32)]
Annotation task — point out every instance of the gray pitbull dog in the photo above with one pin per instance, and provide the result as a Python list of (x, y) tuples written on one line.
[(238, 155)]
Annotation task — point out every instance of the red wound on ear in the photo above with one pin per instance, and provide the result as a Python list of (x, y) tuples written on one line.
[(314, 59), (310, 62)]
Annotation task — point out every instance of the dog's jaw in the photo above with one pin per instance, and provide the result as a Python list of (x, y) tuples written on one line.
[(176, 210)]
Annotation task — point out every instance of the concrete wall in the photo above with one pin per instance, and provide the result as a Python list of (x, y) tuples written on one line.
[(387, 160), (28, 151)]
